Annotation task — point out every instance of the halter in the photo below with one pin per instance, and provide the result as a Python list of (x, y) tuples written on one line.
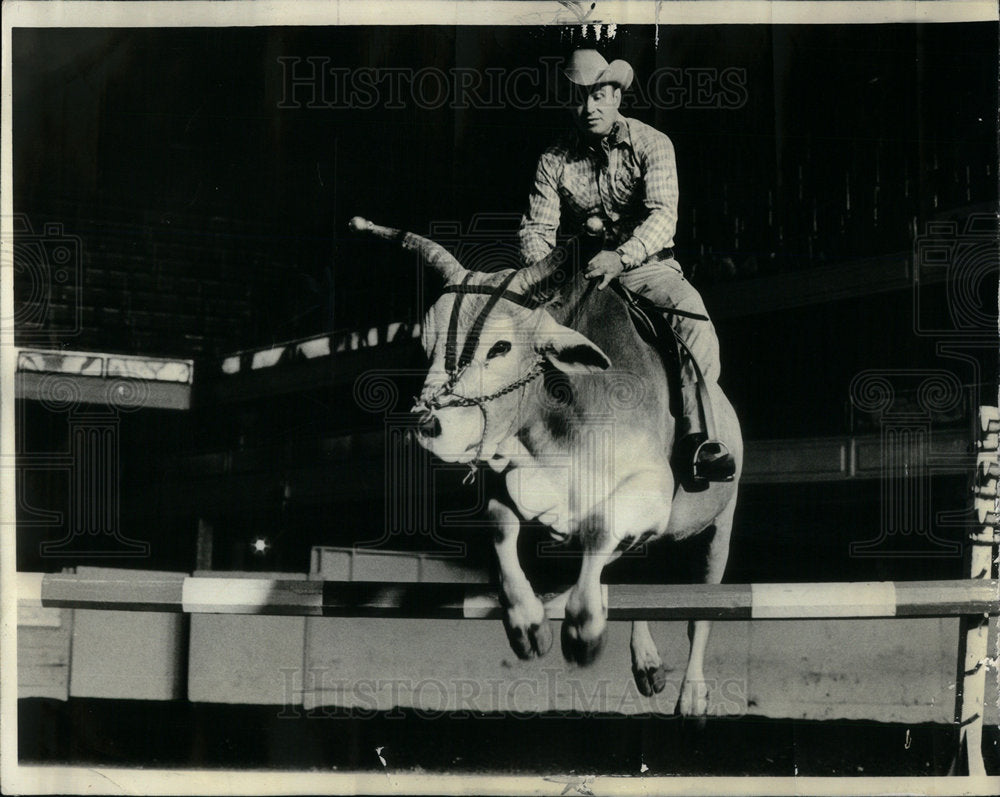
[(456, 367)]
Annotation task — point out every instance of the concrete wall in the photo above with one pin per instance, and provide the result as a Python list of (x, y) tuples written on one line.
[(236, 659), (43, 645), (894, 670), (132, 655), (899, 670)]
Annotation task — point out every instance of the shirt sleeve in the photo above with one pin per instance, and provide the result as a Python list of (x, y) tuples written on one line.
[(537, 234), (660, 176)]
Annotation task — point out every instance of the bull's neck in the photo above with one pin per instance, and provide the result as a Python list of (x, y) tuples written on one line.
[(561, 399), (571, 299)]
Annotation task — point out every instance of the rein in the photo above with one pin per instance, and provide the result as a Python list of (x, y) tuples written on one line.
[(455, 367)]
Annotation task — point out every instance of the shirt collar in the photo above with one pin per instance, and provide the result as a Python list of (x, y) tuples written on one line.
[(619, 134), (619, 131)]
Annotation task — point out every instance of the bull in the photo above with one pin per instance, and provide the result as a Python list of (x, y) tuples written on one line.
[(522, 362)]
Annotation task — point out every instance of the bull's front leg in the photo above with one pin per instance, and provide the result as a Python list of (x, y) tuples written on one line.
[(524, 615), (625, 517), (585, 623)]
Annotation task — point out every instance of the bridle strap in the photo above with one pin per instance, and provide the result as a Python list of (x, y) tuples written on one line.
[(472, 339), (468, 401), (451, 343), (524, 300), (455, 368)]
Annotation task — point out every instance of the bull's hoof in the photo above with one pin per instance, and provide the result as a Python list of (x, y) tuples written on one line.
[(578, 650), (529, 642), (650, 680), (693, 701), (694, 724)]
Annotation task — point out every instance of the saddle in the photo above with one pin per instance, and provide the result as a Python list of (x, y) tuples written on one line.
[(652, 325)]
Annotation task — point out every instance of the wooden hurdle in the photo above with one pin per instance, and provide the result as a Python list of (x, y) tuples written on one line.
[(973, 599), (212, 595)]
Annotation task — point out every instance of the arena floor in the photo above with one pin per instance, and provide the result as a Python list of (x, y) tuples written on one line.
[(192, 735)]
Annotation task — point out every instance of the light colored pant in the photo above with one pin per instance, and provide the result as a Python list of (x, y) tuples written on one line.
[(664, 284)]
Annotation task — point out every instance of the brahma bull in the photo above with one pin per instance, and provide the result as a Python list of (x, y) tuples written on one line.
[(523, 369)]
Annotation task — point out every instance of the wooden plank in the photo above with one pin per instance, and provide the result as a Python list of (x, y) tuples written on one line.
[(100, 378), (788, 601), (352, 465), (138, 593), (679, 602), (890, 670), (98, 390), (940, 598), (454, 600), (84, 363)]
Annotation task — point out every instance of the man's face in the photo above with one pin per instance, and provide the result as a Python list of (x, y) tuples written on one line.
[(595, 108)]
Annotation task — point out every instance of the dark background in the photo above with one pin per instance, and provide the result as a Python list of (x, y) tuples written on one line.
[(213, 219), (210, 219), (208, 194), (207, 175)]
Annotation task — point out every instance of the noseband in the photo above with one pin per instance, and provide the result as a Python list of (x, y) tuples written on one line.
[(445, 396)]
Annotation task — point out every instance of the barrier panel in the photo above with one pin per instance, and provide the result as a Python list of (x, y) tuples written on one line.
[(215, 595)]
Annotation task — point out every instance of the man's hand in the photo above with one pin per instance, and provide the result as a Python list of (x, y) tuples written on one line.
[(607, 265)]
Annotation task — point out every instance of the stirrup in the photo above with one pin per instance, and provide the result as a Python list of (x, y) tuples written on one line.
[(712, 462)]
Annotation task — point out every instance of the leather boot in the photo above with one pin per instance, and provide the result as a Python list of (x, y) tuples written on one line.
[(699, 459)]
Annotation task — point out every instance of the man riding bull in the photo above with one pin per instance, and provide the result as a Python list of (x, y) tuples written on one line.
[(620, 173)]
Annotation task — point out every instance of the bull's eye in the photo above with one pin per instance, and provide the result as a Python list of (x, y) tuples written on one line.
[(498, 349)]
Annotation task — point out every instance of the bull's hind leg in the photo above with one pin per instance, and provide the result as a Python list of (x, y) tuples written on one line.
[(647, 667), (524, 615), (693, 700)]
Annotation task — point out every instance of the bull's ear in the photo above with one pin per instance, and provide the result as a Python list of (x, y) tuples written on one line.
[(567, 349)]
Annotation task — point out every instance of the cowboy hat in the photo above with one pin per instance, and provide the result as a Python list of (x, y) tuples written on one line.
[(589, 67)]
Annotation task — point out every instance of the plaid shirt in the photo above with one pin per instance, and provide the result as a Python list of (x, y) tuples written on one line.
[(629, 179)]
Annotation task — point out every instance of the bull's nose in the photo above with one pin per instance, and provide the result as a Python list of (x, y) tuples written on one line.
[(428, 425)]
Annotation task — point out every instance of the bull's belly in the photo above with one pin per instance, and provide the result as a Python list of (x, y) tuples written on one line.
[(561, 499)]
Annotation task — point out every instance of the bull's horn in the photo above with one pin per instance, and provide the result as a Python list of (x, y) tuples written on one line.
[(536, 273), (531, 276), (434, 255)]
